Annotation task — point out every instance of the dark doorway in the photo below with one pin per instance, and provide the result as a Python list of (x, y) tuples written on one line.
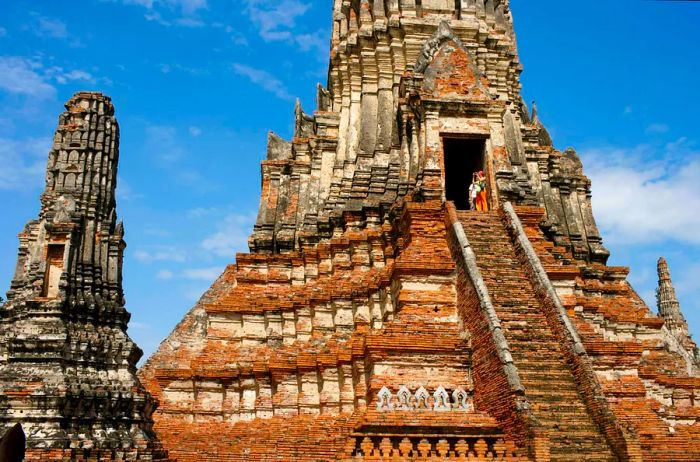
[(463, 157)]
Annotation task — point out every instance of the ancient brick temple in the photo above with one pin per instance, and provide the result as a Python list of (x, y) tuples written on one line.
[(67, 367), (376, 317)]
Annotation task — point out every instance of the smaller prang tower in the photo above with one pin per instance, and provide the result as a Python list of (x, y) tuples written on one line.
[(670, 311), (67, 366)]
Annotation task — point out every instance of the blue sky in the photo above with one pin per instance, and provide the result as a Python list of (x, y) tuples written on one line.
[(198, 83)]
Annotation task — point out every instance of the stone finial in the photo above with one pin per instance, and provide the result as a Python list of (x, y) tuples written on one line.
[(544, 137), (667, 301), (534, 117)]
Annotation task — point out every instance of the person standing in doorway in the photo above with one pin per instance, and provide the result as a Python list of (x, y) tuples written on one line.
[(473, 192), (481, 201)]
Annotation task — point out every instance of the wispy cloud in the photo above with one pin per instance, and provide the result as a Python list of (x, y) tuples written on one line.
[(195, 131), (168, 146), (125, 191), (194, 71), (51, 28), (263, 79), (231, 235), (24, 76), (23, 163), (317, 42), (32, 78), (165, 275), (64, 77), (203, 274), (184, 13), (162, 141), (3, 32), (160, 254), (237, 37), (657, 129), (647, 194), (275, 20), (278, 21)]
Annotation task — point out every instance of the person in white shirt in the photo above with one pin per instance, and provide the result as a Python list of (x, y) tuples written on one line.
[(473, 191)]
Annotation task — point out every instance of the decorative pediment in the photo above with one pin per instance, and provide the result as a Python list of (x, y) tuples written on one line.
[(449, 70)]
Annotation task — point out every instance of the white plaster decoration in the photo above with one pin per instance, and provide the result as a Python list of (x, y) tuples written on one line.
[(422, 398), (384, 403), (460, 400), (404, 396), (441, 400)]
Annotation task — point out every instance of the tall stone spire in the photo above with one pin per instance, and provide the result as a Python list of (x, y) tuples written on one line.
[(67, 366), (667, 301)]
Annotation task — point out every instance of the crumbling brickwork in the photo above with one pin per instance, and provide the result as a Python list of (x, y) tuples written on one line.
[(372, 320), (67, 366)]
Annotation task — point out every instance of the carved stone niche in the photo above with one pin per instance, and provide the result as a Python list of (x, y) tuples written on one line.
[(55, 255)]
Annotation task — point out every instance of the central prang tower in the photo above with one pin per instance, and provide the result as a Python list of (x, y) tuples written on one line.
[(421, 94), (377, 318)]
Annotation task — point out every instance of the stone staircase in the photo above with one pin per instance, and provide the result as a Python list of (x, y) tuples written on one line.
[(549, 383)]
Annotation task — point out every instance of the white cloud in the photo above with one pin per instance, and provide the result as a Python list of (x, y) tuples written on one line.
[(23, 163), (30, 77), (239, 39), (187, 7), (161, 11), (308, 42), (686, 281), (162, 140), (144, 3), (139, 326), (195, 131), (50, 28), (194, 71), (160, 254), (231, 236), (276, 20), (203, 274), (646, 194), (165, 275), (23, 76), (657, 129), (202, 212), (264, 80), (125, 191), (64, 77)]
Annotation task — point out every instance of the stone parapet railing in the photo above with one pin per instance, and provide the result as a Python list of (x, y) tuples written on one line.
[(434, 447)]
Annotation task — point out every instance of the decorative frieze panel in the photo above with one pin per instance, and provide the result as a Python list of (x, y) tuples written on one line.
[(440, 400)]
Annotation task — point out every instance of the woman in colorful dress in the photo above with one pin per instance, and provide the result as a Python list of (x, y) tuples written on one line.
[(482, 204)]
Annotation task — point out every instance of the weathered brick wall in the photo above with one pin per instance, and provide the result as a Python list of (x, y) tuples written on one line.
[(626, 444), (307, 388), (628, 347)]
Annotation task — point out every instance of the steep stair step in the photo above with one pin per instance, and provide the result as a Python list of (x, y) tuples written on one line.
[(549, 383)]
